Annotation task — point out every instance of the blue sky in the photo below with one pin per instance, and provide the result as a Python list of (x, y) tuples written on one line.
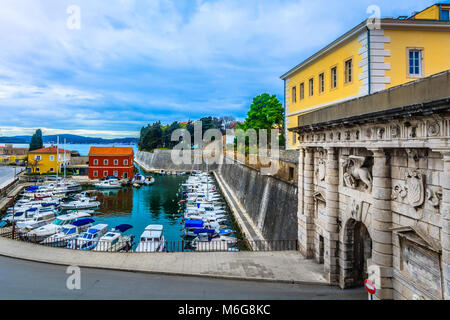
[(134, 62)]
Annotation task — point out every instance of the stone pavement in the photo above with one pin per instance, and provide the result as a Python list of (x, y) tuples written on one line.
[(281, 266)]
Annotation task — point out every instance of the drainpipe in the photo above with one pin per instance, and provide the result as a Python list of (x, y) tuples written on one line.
[(368, 61)]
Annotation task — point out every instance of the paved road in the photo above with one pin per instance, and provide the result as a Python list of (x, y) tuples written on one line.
[(31, 280)]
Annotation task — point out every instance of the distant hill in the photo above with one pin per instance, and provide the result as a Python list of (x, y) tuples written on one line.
[(70, 138)]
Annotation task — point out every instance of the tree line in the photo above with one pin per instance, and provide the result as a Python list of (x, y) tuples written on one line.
[(266, 112)]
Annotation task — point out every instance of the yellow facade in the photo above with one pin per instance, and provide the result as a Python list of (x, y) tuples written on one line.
[(433, 12), (380, 60), (436, 53), (343, 89), (47, 162)]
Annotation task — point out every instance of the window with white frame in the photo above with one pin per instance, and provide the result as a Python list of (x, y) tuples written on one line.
[(116, 162), (105, 162), (37, 158), (348, 71), (95, 162), (311, 87), (125, 162), (95, 173), (415, 62), (116, 173), (333, 77), (52, 158), (105, 173)]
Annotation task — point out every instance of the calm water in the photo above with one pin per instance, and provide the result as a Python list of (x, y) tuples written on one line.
[(83, 149), (155, 204)]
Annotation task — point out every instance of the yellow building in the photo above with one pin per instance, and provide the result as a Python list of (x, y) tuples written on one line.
[(370, 57), (45, 160)]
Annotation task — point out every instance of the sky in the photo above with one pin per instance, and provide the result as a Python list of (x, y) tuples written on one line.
[(134, 62)]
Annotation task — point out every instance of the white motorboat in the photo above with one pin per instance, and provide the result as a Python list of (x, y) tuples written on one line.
[(82, 203), (40, 219), (89, 238), (68, 232), (206, 242), (114, 240), (152, 239), (43, 232), (149, 180), (139, 179), (108, 184)]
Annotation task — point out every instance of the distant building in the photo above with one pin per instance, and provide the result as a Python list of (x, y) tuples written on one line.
[(11, 155), (47, 160), (111, 161)]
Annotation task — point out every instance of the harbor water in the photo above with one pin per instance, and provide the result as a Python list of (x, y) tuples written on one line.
[(154, 204)]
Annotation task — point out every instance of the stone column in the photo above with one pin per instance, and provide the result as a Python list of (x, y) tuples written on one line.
[(380, 266), (445, 219), (331, 233), (306, 202), (300, 193)]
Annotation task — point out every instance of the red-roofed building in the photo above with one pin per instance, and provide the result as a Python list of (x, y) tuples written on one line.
[(48, 160), (111, 161)]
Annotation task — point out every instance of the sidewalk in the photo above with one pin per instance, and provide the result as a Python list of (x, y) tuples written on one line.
[(282, 266)]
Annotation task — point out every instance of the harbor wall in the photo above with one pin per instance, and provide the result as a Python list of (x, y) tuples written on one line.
[(270, 202), (161, 159)]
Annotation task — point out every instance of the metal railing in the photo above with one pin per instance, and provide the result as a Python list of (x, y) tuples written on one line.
[(168, 246)]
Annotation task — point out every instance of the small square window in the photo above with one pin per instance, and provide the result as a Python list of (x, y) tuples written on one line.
[(445, 15)]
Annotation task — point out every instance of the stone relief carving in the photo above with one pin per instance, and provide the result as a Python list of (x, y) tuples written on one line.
[(399, 191), (321, 170), (415, 187), (433, 197), (395, 131), (380, 133), (433, 129), (354, 171), (355, 209)]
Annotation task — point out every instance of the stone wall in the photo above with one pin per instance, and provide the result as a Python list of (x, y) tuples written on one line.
[(270, 202), (161, 159)]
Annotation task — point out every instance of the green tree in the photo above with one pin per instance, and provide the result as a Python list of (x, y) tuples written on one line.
[(36, 141), (266, 112)]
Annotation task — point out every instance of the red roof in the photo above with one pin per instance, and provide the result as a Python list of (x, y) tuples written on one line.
[(111, 151), (52, 150)]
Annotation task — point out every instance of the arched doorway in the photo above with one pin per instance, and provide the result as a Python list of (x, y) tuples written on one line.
[(357, 250)]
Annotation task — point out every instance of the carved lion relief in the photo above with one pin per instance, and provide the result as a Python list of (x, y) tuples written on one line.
[(354, 171)]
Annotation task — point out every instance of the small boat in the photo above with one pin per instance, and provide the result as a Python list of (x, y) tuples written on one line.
[(108, 184), (114, 240), (38, 220), (68, 232), (149, 180), (43, 232), (206, 242), (89, 238), (83, 203), (152, 239)]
